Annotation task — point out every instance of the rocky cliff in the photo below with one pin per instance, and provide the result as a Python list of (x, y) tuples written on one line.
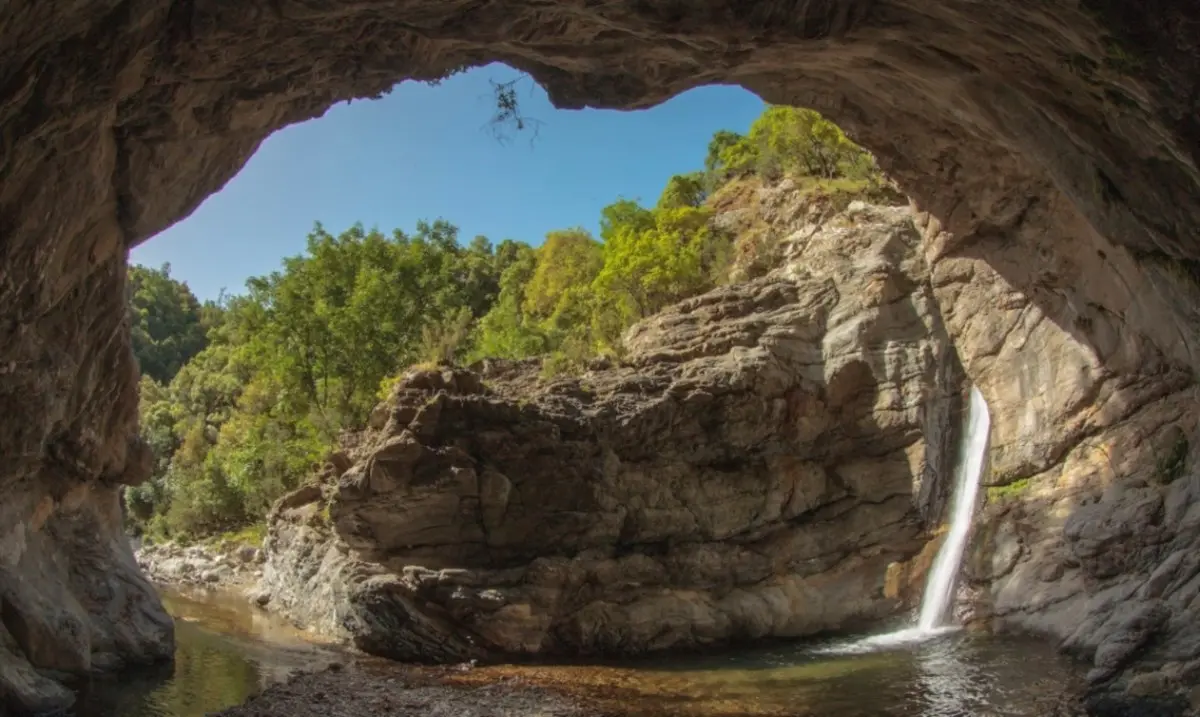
[(1089, 531), (750, 470), (1088, 526)]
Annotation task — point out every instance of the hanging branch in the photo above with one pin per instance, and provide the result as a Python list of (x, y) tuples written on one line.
[(508, 113)]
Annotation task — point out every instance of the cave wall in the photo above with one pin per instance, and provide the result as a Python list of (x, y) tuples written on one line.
[(1051, 147)]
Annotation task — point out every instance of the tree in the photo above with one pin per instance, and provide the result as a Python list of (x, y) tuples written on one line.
[(507, 331), (622, 214), (568, 260), (803, 142), (716, 160), (683, 190), (165, 321), (788, 140), (645, 269), (298, 358)]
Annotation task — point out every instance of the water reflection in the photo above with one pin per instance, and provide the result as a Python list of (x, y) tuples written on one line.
[(225, 652), (953, 675)]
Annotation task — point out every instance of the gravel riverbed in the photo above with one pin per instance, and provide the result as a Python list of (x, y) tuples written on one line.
[(357, 692)]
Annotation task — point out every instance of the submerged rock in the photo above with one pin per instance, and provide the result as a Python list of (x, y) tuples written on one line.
[(750, 470)]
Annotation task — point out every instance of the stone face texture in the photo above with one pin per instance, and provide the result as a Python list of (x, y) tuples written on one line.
[(749, 472), (1053, 149)]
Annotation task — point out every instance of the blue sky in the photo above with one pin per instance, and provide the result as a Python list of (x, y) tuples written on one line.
[(425, 152)]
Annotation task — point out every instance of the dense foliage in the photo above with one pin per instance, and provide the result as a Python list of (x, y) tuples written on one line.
[(240, 397), (167, 323)]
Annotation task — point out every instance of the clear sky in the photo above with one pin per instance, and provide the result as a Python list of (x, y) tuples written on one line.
[(425, 152)]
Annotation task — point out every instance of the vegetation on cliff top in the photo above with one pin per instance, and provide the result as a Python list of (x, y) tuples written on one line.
[(240, 397)]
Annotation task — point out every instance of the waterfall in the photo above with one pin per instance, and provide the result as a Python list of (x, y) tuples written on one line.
[(939, 586), (939, 589)]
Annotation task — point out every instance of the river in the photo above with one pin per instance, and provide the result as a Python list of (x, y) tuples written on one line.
[(228, 650)]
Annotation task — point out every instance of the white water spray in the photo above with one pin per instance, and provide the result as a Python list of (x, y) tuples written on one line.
[(939, 587), (939, 590)]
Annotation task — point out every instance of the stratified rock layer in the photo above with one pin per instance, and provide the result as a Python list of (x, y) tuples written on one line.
[(1093, 508), (748, 472)]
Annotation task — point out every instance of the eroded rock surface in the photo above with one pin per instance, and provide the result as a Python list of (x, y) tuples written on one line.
[(72, 601), (1086, 535), (748, 472)]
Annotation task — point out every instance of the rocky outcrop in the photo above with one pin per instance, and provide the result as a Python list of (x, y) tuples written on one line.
[(226, 566), (751, 470), (1091, 515), (72, 601)]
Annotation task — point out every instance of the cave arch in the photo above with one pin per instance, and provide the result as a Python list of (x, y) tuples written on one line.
[(1053, 144)]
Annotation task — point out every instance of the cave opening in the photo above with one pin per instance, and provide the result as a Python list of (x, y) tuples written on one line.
[(1050, 154)]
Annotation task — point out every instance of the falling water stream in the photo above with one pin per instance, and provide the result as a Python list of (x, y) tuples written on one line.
[(939, 587), (939, 590)]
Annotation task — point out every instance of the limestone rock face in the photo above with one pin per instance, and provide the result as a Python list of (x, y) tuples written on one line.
[(1087, 534), (748, 472)]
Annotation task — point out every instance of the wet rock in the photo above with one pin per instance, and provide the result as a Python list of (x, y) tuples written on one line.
[(71, 604), (1148, 684), (341, 691)]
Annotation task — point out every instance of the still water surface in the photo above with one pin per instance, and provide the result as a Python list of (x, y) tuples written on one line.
[(227, 651)]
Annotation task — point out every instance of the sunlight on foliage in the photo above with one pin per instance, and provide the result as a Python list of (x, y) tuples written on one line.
[(241, 398)]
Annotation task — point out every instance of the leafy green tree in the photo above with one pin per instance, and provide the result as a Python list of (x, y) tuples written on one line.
[(568, 260), (647, 269), (788, 140), (262, 450), (507, 331), (621, 215), (298, 358), (722, 140), (165, 321), (683, 190)]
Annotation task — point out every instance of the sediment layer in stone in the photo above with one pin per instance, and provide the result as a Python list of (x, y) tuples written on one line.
[(749, 471)]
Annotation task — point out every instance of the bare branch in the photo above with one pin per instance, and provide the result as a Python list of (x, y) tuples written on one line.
[(508, 117)]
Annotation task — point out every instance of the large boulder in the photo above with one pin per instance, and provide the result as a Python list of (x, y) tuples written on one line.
[(72, 601), (750, 470)]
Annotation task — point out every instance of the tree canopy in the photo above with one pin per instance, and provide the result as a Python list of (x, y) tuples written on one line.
[(167, 324)]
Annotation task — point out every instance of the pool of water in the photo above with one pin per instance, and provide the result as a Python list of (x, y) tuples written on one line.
[(955, 674), (227, 651)]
